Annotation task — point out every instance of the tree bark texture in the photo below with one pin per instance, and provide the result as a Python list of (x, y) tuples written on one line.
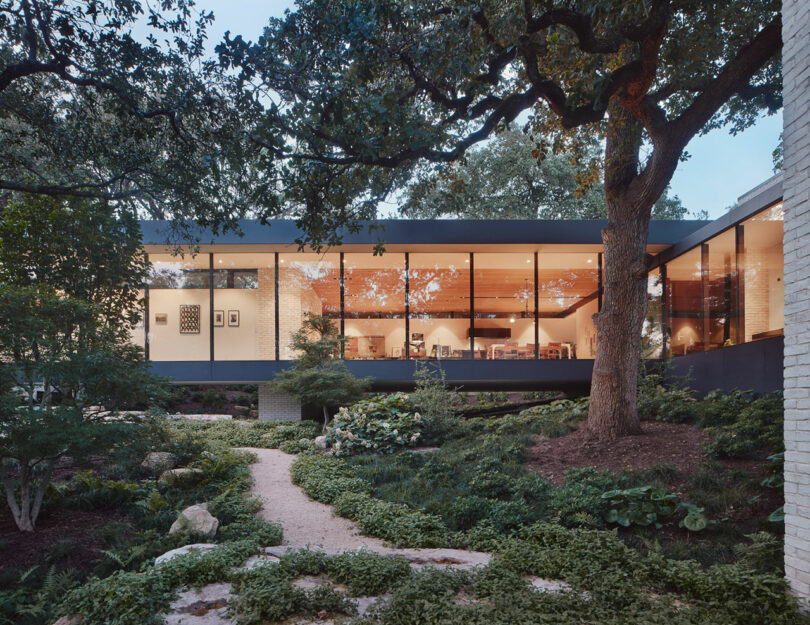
[(613, 412)]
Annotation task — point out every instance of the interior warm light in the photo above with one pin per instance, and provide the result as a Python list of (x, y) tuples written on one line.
[(281, 261), (466, 260), (590, 260), (511, 320)]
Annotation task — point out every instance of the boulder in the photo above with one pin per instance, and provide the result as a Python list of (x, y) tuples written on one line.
[(159, 461), (179, 477), (196, 520), (320, 442), (181, 551), (75, 619), (202, 606)]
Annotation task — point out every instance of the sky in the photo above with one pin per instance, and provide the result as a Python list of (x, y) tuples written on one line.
[(720, 167)]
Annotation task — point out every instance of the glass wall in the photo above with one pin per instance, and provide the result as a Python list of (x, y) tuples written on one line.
[(504, 305), (308, 283), (685, 303), (568, 299), (730, 289), (374, 305), (244, 307), (763, 275), (652, 333), (440, 306), (179, 306), (721, 291)]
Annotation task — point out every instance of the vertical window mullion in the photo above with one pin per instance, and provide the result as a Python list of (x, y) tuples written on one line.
[(664, 313), (739, 243), (211, 303), (342, 306), (146, 321), (599, 281), (536, 308), (472, 307), (276, 308), (704, 291), (407, 306)]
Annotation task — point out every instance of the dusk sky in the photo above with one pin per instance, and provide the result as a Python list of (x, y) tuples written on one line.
[(720, 168)]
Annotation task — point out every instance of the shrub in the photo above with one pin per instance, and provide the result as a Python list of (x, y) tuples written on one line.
[(657, 402), (380, 424), (757, 426), (643, 505), (436, 402), (213, 399)]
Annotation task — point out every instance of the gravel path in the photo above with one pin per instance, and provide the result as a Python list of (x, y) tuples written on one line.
[(305, 522)]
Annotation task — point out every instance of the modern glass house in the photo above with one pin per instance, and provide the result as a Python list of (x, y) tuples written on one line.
[(500, 303)]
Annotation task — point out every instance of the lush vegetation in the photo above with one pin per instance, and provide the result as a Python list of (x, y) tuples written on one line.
[(121, 586)]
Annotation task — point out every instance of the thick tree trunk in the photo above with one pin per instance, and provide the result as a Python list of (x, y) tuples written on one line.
[(613, 412)]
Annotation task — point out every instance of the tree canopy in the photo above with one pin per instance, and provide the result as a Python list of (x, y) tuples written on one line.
[(87, 109), (510, 178)]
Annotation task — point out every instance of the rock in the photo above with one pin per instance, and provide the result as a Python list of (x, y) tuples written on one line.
[(75, 619), (548, 585), (255, 561), (308, 582), (320, 442), (365, 604), (159, 461), (181, 551), (196, 520), (446, 558), (203, 606), (178, 477)]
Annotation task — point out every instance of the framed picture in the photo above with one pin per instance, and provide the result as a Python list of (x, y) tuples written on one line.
[(219, 318), (189, 319), (233, 318), (161, 319)]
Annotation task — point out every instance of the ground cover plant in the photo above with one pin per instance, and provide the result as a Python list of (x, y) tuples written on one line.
[(115, 581)]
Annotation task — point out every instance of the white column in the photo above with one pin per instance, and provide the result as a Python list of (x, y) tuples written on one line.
[(796, 70)]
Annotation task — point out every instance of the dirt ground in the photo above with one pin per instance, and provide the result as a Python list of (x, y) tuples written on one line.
[(65, 538), (661, 443)]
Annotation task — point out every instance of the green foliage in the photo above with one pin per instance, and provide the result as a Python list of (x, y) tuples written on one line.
[(436, 402), (263, 434), (657, 402), (758, 425), (318, 377), (213, 399), (379, 424), (642, 505)]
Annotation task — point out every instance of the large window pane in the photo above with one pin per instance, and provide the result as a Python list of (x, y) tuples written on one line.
[(374, 303), (504, 305), (721, 291), (568, 299), (440, 306), (652, 336), (763, 271), (308, 283), (179, 320), (685, 301), (244, 307)]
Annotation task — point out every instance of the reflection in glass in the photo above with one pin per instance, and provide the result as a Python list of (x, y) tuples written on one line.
[(308, 283), (721, 291), (568, 299), (440, 306), (374, 304), (652, 336), (244, 283), (685, 303), (175, 282), (763, 272), (504, 305)]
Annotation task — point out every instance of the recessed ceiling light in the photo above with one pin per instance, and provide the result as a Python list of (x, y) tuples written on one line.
[(590, 260), (281, 261), (466, 260)]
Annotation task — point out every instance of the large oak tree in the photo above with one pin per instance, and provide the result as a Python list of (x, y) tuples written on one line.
[(365, 89), (117, 100)]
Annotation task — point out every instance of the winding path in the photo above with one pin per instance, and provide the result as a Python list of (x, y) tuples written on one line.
[(305, 521)]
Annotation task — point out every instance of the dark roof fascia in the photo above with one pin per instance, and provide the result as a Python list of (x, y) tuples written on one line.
[(768, 197), (421, 232)]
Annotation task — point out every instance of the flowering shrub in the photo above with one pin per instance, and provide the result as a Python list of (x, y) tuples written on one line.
[(380, 424)]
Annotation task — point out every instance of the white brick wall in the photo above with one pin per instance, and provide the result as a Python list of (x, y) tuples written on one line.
[(277, 406), (796, 71)]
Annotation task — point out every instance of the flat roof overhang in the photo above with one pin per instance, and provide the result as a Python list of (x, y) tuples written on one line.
[(395, 374), (413, 235)]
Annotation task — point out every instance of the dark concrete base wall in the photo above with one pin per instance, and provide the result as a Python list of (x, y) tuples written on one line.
[(755, 366), (570, 375)]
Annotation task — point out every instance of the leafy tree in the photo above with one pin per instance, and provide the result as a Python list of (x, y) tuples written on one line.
[(512, 178), (86, 110), (69, 278), (318, 376), (366, 90)]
